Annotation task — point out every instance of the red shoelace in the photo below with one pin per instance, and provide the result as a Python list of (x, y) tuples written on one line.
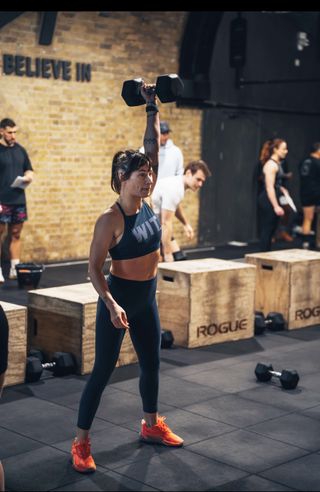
[(83, 448), (161, 425)]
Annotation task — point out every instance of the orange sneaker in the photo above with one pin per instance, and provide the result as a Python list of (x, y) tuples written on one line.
[(159, 433), (81, 458)]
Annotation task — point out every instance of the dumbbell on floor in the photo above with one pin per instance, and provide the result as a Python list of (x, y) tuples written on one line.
[(35, 352), (288, 379), (168, 88), (167, 339), (274, 321), (259, 323), (62, 364)]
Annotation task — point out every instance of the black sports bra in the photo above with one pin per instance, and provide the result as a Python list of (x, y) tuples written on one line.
[(141, 235)]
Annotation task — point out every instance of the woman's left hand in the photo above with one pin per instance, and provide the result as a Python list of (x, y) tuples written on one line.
[(148, 92)]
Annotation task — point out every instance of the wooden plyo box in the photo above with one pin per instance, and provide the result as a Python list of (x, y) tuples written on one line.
[(206, 301), (288, 282), (63, 319), (17, 321)]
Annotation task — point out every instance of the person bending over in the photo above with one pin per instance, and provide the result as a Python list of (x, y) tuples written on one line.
[(166, 202)]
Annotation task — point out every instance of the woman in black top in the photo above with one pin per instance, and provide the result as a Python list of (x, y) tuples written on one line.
[(272, 153), (131, 233)]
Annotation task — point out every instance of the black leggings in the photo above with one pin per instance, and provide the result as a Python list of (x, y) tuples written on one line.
[(4, 336), (138, 300), (268, 221)]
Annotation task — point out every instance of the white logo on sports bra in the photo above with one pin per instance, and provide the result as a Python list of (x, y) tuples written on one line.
[(146, 230)]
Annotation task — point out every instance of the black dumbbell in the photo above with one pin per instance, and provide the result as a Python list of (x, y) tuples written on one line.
[(179, 255), (167, 338), (62, 364), (259, 323), (168, 88), (288, 379), (274, 321), (35, 352)]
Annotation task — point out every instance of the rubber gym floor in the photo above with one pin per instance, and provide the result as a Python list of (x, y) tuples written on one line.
[(240, 435)]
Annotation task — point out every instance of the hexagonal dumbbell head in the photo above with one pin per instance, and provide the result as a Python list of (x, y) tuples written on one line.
[(169, 87), (262, 372), (34, 352), (131, 92), (64, 364), (275, 321), (289, 379), (259, 323), (167, 338), (34, 369)]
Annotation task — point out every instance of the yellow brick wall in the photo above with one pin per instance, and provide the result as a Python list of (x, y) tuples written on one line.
[(72, 129)]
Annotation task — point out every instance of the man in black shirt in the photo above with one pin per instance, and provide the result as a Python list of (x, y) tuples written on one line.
[(14, 163)]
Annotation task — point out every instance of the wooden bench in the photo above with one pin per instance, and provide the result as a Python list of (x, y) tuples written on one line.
[(288, 282), (63, 319), (17, 320), (206, 301)]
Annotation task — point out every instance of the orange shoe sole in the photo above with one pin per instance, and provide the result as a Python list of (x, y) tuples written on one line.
[(85, 471), (151, 440)]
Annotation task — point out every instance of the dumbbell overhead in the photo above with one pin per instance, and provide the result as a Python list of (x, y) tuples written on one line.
[(62, 364), (168, 88), (288, 379)]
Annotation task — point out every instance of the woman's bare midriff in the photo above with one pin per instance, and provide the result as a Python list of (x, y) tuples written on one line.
[(141, 268)]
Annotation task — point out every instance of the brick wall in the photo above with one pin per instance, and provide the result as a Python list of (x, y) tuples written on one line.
[(72, 129)]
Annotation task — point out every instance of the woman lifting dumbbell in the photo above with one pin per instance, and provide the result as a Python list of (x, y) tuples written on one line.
[(270, 210), (131, 233)]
